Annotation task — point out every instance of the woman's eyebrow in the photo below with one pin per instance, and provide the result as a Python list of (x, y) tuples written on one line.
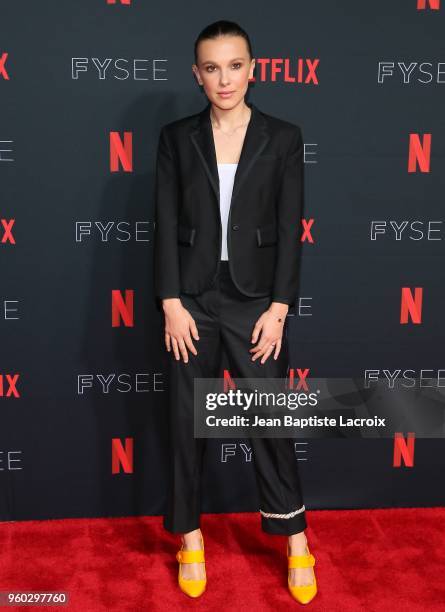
[(232, 60)]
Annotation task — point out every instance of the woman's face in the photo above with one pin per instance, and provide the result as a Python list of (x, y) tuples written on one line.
[(224, 66)]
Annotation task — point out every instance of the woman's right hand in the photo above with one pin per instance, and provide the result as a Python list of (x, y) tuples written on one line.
[(178, 325)]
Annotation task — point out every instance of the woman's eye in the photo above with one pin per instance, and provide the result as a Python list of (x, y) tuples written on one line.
[(210, 68)]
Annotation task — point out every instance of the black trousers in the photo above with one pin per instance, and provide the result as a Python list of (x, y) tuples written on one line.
[(224, 316)]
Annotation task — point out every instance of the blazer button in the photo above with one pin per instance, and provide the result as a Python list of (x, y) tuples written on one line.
[(235, 227)]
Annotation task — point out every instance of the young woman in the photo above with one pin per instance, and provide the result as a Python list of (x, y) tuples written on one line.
[(229, 197)]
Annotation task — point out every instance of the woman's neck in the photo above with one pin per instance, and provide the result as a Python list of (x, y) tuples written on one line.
[(229, 120)]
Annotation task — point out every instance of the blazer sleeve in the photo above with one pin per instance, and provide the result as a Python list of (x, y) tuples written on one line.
[(166, 260), (290, 211)]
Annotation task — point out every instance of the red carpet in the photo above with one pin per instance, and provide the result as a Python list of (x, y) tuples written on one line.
[(365, 560)]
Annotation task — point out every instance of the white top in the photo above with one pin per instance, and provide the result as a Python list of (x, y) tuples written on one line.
[(226, 178)]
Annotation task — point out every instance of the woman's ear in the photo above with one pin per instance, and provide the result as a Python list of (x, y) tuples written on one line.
[(196, 73), (252, 68)]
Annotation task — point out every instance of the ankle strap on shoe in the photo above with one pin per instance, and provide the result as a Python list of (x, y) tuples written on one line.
[(301, 561), (190, 556)]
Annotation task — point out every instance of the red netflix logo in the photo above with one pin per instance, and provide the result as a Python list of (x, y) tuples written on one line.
[(307, 224), (8, 386), (432, 4), (122, 309), (302, 375), (411, 306), (403, 448), (301, 71), (121, 152), (7, 234), (419, 153), (3, 72), (122, 458)]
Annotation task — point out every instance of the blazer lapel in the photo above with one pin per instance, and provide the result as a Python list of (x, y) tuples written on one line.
[(255, 140)]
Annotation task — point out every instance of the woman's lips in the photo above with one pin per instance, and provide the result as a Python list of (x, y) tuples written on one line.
[(225, 94)]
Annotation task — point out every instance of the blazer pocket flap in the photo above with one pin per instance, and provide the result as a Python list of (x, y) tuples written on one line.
[(186, 235), (266, 235)]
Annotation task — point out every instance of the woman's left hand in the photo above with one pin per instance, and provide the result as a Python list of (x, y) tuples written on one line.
[(270, 324)]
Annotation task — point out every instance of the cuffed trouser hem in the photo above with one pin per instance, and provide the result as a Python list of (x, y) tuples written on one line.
[(272, 525), (284, 524)]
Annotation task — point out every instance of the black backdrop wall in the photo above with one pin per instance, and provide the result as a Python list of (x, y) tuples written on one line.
[(83, 401)]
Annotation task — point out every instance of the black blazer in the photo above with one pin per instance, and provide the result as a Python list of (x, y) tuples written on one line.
[(264, 227)]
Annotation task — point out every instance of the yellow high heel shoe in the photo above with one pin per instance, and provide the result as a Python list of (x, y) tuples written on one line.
[(193, 588), (305, 593)]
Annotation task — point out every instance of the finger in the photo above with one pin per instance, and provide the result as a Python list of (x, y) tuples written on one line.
[(183, 350), (267, 353), (167, 341), (259, 350), (263, 344), (256, 331), (175, 348), (190, 345), (277, 349), (194, 330)]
